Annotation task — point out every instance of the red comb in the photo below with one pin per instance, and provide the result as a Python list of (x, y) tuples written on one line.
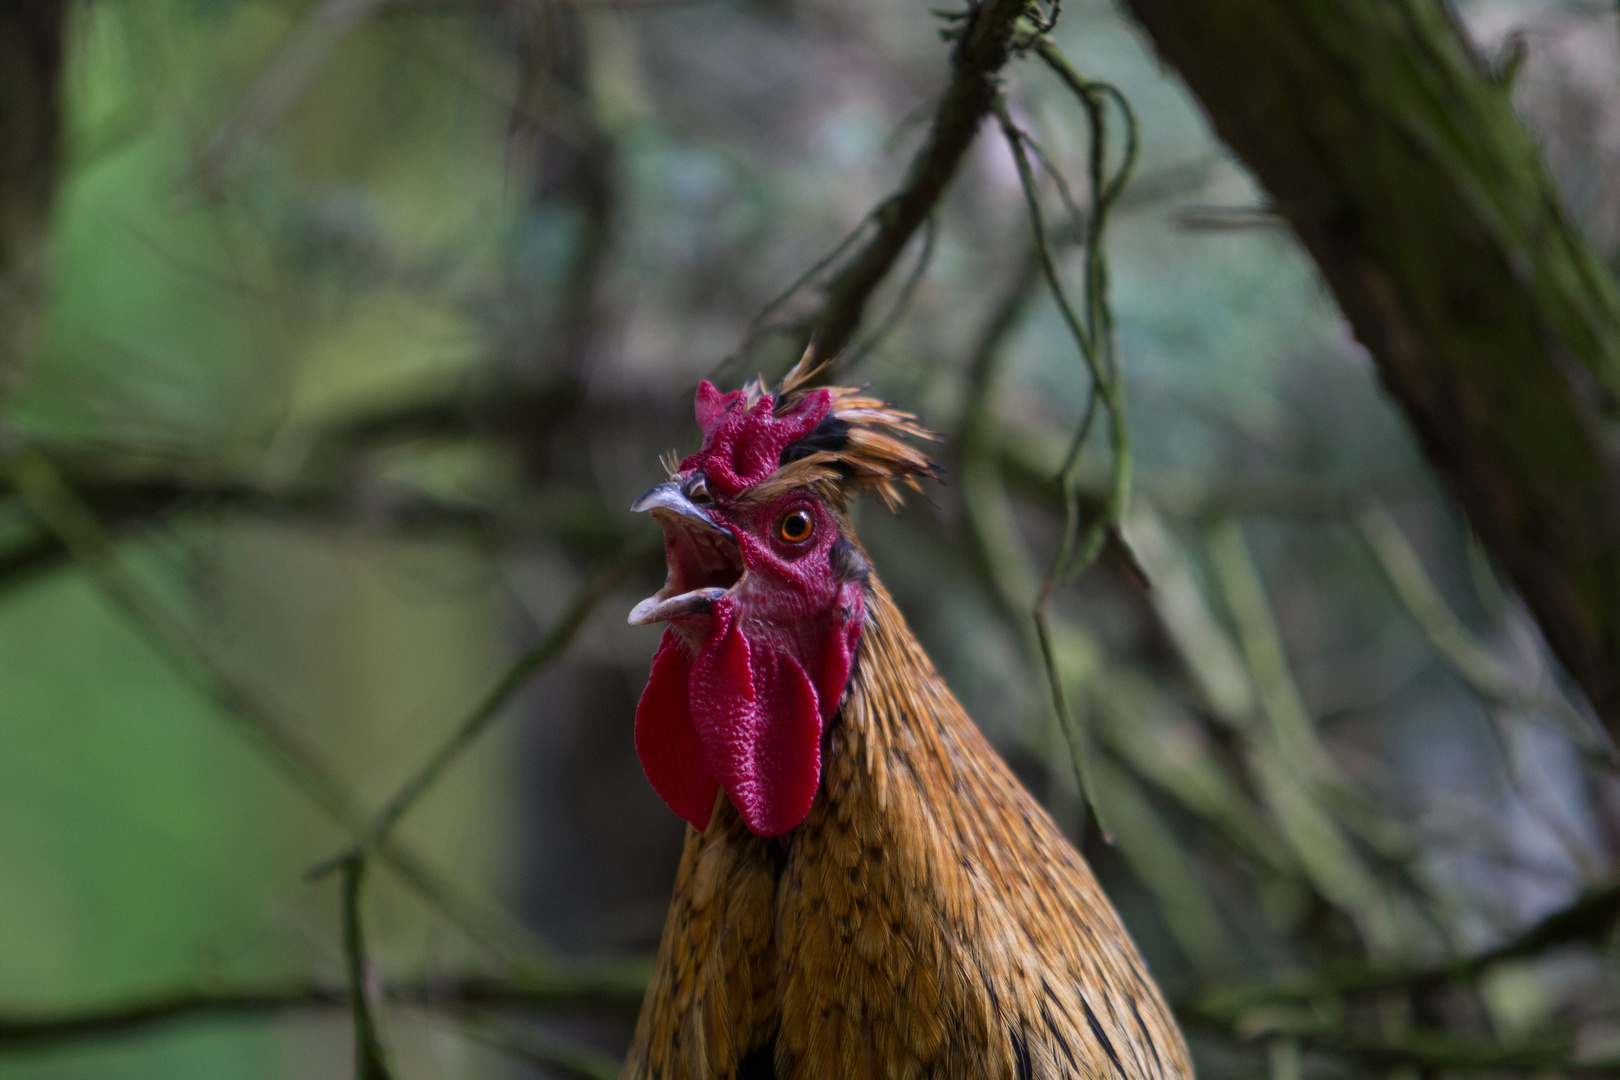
[(743, 444)]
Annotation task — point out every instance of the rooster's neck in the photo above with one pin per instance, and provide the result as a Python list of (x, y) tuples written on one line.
[(900, 721)]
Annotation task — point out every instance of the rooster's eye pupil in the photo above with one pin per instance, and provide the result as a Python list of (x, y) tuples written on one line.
[(795, 527)]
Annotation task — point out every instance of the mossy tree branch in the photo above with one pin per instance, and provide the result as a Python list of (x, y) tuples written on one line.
[(984, 42), (1401, 165)]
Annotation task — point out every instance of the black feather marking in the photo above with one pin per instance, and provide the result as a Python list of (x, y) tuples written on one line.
[(1026, 1068), (1152, 1044), (1053, 1029), (831, 435), (1102, 1036), (848, 564), (759, 1063)]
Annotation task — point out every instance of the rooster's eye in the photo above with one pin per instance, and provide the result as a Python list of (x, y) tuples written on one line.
[(795, 526)]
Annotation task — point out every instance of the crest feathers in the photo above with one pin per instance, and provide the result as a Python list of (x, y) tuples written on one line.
[(842, 439)]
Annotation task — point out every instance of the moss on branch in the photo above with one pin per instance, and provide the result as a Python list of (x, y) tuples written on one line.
[(1401, 165)]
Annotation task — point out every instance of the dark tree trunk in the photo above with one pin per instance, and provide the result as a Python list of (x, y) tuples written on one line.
[(31, 34), (30, 69), (1398, 159)]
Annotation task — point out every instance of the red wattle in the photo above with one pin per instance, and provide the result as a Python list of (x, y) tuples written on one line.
[(666, 740), (759, 721)]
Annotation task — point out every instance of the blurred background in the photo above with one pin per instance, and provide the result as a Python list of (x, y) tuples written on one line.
[(369, 318)]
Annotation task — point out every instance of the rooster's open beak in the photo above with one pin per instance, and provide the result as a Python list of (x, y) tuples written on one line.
[(702, 555)]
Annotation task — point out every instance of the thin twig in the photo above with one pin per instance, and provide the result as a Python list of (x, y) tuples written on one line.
[(1468, 657), (1589, 918), (555, 1054), (616, 990), (983, 46), (1281, 703), (1549, 817), (761, 325), (1093, 337), (1079, 749), (1431, 1052), (1441, 1054), (283, 79), (548, 648), (1464, 653), (370, 1060), (861, 349), (1229, 218), (986, 510), (122, 496), (1077, 216), (1301, 782), (1099, 387), (1206, 650)]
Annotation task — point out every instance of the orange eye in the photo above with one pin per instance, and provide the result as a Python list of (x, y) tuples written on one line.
[(795, 526)]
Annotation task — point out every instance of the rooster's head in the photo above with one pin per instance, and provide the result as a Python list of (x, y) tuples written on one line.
[(764, 597)]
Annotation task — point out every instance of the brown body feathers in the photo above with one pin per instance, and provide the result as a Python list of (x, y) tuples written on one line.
[(926, 920)]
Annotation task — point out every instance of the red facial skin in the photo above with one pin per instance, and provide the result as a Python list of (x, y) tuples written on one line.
[(738, 696)]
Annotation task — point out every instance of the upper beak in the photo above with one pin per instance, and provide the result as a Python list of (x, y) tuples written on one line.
[(670, 498)]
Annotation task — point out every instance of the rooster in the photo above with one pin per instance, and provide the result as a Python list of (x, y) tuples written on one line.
[(865, 890)]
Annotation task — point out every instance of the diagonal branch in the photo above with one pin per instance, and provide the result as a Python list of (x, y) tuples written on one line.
[(556, 1056), (283, 80), (1473, 662), (59, 509), (984, 44), (1589, 918), (547, 649), (616, 990)]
